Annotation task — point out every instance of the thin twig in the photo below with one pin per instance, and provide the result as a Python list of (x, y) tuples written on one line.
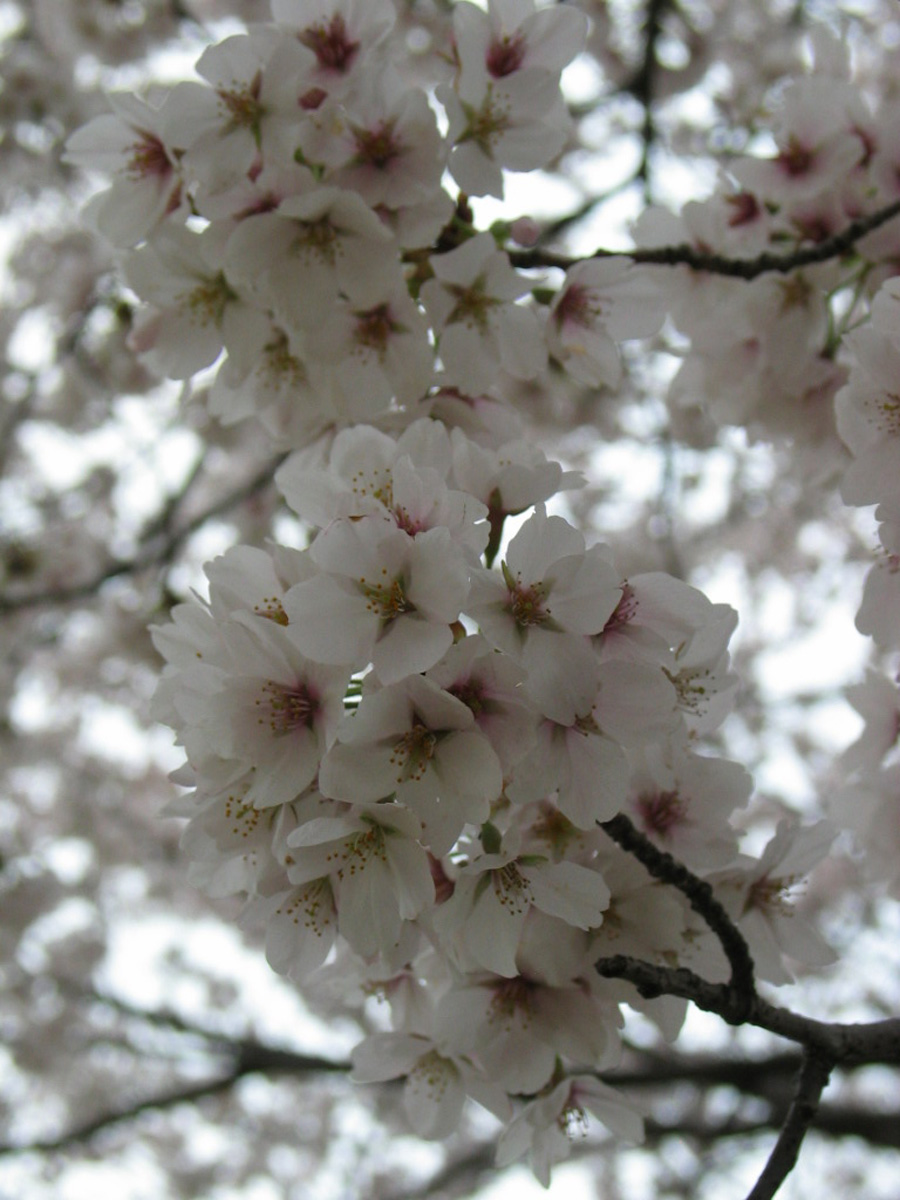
[(721, 264)]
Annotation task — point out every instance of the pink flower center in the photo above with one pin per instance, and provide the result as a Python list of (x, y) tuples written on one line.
[(814, 227), (769, 895), (485, 123), (796, 159), (511, 996), (505, 55), (206, 303), (526, 604), (624, 611), (331, 44), (243, 107), (744, 209), (472, 305), (311, 99), (577, 306), (471, 693), (149, 159), (660, 812), (377, 147), (375, 327)]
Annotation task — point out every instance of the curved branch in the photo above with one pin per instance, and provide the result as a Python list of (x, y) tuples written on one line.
[(843, 1044), (721, 264), (700, 896)]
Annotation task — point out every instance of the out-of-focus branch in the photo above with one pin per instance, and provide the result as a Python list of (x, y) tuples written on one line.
[(834, 1121), (460, 1177), (766, 1078), (643, 86), (754, 1076), (720, 264), (247, 1057), (156, 551)]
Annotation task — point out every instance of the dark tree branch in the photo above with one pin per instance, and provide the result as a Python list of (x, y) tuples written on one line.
[(881, 1129), (843, 1044), (813, 1081), (248, 1057), (700, 896), (720, 264), (764, 1077)]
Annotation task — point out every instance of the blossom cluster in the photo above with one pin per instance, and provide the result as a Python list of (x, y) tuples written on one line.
[(403, 739), (286, 206), (762, 353)]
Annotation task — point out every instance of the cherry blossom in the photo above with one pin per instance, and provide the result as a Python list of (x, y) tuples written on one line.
[(483, 921), (129, 144), (552, 593), (599, 304), (379, 872), (197, 310), (312, 245), (400, 752), (755, 894), (381, 596), (437, 1085), (419, 743), (546, 1127), (470, 304)]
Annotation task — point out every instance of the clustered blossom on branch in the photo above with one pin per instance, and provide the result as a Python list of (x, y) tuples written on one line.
[(403, 738)]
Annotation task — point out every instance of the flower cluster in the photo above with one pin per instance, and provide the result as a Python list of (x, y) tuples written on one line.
[(284, 207), (404, 738), (762, 351)]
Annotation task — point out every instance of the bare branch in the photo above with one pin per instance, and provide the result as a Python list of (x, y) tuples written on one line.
[(813, 1081), (720, 264), (843, 1044)]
